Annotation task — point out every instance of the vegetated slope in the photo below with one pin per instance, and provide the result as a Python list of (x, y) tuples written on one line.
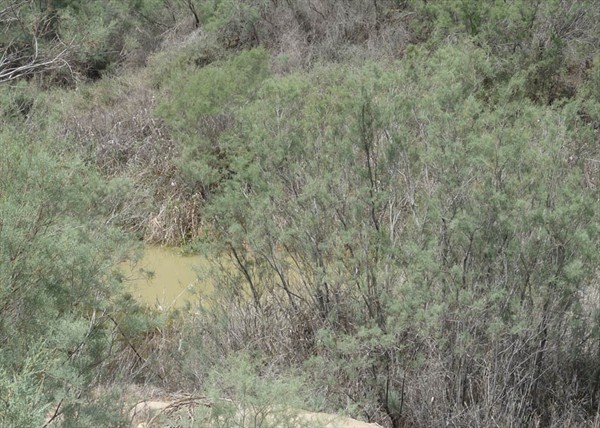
[(407, 193)]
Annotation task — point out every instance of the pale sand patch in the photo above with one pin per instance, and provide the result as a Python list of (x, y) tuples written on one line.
[(326, 420), (147, 414)]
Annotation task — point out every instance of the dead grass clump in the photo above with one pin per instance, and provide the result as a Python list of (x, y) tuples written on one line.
[(302, 32), (177, 220), (113, 124)]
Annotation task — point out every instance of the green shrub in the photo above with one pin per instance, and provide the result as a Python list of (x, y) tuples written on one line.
[(242, 396), (400, 230), (57, 282)]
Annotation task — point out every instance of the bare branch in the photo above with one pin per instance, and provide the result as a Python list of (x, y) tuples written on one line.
[(22, 59), (11, 70)]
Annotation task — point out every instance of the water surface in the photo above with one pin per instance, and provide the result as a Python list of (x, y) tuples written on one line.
[(166, 278)]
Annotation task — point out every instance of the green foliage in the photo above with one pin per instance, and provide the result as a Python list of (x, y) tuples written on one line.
[(22, 394), (57, 276), (15, 103), (241, 396), (394, 204), (418, 233), (237, 23), (67, 40), (211, 90), (202, 110), (544, 41)]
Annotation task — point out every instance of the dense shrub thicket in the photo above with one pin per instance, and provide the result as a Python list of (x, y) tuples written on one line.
[(400, 201), (58, 287), (419, 242)]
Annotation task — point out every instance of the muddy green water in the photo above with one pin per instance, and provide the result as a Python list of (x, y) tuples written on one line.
[(165, 278)]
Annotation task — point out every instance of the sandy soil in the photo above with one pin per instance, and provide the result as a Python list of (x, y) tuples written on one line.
[(153, 414)]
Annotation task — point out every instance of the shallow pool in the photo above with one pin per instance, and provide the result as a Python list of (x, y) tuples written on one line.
[(165, 278)]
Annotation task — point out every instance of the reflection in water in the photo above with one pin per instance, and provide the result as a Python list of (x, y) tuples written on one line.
[(166, 278)]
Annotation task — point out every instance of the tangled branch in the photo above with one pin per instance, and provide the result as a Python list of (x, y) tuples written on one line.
[(12, 67), (19, 59)]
